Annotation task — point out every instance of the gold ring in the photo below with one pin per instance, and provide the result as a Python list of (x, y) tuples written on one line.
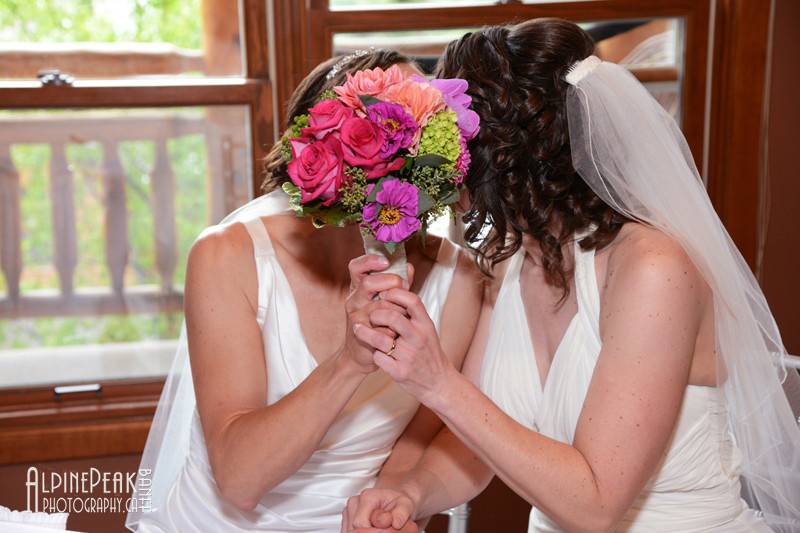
[(392, 349)]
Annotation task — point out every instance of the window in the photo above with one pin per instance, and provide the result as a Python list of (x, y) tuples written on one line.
[(125, 128)]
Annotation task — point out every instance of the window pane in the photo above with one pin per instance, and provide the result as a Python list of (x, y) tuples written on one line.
[(406, 4), (423, 45), (99, 209), (94, 39), (653, 47)]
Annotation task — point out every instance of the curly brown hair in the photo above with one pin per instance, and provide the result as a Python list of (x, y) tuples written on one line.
[(308, 93), (521, 180)]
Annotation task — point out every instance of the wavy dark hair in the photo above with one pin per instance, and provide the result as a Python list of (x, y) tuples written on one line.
[(521, 180), (308, 93)]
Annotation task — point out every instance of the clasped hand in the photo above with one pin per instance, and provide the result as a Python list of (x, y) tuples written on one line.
[(406, 345)]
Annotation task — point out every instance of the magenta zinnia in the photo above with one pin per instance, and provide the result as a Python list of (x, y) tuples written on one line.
[(392, 217), (398, 126)]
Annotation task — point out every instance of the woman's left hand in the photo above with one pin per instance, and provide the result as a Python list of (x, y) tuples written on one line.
[(417, 361)]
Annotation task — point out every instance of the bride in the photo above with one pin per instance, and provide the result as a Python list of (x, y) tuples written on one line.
[(291, 416), (625, 378)]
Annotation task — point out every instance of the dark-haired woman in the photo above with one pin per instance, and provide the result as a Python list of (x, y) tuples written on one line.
[(625, 378), (291, 416)]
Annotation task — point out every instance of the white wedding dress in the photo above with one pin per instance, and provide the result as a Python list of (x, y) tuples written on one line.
[(696, 488), (350, 455)]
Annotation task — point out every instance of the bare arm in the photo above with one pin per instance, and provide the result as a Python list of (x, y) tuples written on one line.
[(252, 446), (653, 308)]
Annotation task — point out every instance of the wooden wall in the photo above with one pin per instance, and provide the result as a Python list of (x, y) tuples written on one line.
[(781, 263)]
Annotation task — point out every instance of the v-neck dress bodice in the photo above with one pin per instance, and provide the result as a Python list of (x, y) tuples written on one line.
[(351, 453), (696, 487)]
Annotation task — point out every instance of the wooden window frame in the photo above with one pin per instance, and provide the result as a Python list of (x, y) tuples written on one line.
[(36, 424), (309, 27)]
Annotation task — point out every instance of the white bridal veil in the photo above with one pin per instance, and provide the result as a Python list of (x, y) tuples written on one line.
[(168, 442), (634, 156)]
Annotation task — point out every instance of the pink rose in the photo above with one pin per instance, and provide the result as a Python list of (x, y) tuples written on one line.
[(325, 117), (362, 141), (317, 168)]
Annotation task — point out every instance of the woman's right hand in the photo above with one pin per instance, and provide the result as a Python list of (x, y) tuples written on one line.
[(365, 284), (377, 510)]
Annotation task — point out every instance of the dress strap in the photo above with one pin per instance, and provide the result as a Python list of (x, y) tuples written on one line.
[(587, 292), (262, 245), (262, 248)]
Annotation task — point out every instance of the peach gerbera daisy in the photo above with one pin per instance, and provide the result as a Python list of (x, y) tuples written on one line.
[(420, 99), (371, 82)]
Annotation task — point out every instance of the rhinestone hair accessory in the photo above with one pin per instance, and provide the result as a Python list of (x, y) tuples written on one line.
[(580, 69), (346, 59)]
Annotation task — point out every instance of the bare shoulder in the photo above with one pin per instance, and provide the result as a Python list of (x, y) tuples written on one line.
[(221, 246), (220, 266), (643, 258)]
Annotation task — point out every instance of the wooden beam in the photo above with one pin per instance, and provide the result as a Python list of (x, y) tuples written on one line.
[(133, 93), (738, 118)]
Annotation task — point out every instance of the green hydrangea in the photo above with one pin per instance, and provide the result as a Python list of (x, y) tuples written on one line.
[(295, 130), (328, 94), (298, 123), (442, 136)]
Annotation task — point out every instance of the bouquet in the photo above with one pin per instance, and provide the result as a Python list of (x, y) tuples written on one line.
[(383, 150)]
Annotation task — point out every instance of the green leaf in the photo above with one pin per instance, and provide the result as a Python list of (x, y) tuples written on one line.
[(430, 160), (452, 197), (368, 100), (425, 202)]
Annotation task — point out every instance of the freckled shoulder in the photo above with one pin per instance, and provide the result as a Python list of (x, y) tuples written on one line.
[(645, 257)]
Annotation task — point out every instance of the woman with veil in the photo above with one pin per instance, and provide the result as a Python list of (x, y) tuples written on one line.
[(274, 412), (629, 376)]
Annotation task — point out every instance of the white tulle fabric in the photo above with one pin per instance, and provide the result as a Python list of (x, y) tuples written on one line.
[(184, 496), (696, 487), (634, 156)]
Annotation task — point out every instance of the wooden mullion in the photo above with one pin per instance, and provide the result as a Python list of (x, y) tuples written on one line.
[(168, 93), (254, 13), (446, 17), (737, 118)]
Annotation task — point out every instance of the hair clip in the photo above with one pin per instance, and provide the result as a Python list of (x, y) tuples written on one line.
[(346, 59), (580, 69)]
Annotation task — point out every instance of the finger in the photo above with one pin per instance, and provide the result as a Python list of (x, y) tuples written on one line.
[(371, 286), (409, 281), (410, 301), (360, 267), (389, 365), (389, 332), (380, 304), (381, 519), (396, 321), (400, 515), (371, 337), (376, 283)]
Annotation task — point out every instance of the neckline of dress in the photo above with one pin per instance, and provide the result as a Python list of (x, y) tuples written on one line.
[(517, 290)]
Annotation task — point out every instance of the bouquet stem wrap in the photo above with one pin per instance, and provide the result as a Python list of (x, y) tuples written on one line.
[(397, 260)]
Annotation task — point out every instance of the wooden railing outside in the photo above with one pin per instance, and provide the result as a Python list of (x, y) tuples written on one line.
[(109, 129)]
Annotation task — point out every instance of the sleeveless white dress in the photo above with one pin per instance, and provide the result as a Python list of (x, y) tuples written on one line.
[(696, 488), (350, 455)]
